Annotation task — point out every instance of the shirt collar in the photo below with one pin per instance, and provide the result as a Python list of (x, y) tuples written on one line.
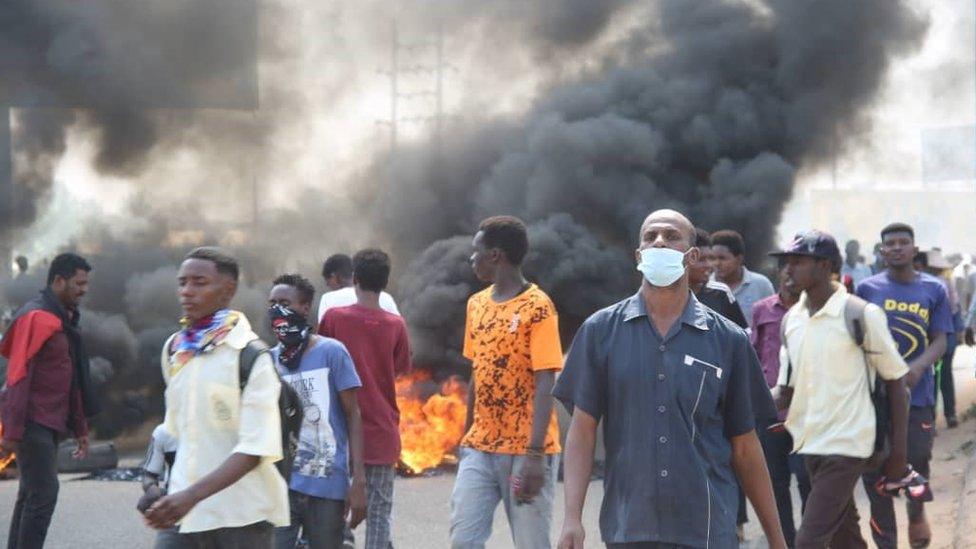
[(834, 305), (240, 334), (747, 277), (694, 314)]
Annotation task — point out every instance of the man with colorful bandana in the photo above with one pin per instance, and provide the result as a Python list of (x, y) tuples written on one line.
[(224, 490), (48, 394)]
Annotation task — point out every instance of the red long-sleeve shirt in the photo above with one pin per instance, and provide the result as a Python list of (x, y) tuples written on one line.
[(39, 378)]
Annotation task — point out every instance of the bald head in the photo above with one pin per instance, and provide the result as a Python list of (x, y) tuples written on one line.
[(663, 219)]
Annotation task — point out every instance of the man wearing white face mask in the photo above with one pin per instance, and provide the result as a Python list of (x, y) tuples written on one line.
[(680, 390)]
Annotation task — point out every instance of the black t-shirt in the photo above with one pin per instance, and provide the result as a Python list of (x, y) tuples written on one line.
[(720, 299)]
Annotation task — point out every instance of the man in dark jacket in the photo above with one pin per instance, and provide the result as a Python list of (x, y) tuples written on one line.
[(48, 394)]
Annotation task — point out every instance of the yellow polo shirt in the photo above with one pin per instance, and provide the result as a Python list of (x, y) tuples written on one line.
[(831, 412), (211, 418)]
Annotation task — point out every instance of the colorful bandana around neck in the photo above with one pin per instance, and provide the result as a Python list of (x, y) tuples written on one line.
[(201, 336), (293, 333)]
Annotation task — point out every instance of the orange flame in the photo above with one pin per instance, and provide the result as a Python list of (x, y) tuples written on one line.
[(431, 419), (9, 458)]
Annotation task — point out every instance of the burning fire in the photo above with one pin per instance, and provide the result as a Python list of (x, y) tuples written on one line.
[(431, 419), (8, 459)]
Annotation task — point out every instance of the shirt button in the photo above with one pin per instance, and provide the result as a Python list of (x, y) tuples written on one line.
[(662, 348), (664, 473), (663, 440), (660, 377), (661, 409)]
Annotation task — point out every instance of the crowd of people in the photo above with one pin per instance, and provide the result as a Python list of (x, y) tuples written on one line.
[(713, 388)]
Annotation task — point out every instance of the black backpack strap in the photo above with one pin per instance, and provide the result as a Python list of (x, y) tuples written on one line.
[(854, 308), (249, 354)]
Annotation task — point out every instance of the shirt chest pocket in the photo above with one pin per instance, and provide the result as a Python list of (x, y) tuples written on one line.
[(699, 386), (222, 406)]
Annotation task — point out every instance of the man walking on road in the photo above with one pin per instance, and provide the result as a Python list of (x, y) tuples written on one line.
[(728, 253), (379, 345), (767, 316), (337, 273), (680, 390), (328, 480), (511, 444), (224, 489), (919, 317), (48, 394), (712, 293), (826, 379)]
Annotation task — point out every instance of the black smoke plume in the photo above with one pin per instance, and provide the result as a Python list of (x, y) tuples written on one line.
[(714, 109), (706, 106)]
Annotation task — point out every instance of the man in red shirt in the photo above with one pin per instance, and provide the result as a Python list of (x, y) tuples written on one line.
[(48, 395), (378, 343)]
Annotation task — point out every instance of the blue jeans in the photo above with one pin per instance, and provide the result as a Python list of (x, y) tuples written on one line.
[(484, 480), (320, 519)]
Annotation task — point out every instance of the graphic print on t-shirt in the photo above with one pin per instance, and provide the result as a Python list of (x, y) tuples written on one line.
[(910, 322), (316, 443), (507, 343), (916, 312)]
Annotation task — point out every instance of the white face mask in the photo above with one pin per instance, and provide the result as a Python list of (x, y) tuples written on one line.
[(661, 267)]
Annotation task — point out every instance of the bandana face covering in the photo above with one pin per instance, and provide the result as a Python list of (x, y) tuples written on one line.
[(293, 333), (201, 337)]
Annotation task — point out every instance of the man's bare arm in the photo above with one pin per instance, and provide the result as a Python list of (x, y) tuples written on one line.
[(898, 400), (750, 468), (533, 471), (577, 467), (356, 498), (542, 407), (170, 509), (469, 416), (917, 367)]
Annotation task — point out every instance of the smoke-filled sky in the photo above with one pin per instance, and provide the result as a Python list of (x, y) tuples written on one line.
[(578, 116)]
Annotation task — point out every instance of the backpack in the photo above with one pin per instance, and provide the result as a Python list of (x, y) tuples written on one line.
[(854, 320), (290, 410)]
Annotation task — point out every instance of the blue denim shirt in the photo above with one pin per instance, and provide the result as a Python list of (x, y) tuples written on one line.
[(669, 407)]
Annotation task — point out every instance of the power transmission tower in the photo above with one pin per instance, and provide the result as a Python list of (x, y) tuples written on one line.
[(403, 62)]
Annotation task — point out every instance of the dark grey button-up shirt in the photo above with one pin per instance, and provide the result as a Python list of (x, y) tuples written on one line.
[(669, 407)]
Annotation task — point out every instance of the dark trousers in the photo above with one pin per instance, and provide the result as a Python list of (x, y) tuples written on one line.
[(921, 431), (947, 385), (783, 464), (259, 535), (320, 521), (830, 517), (37, 461)]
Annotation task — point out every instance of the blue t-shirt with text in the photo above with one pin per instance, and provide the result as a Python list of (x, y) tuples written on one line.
[(917, 312), (321, 467)]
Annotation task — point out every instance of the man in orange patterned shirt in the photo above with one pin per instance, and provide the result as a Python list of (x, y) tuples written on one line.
[(510, 450)]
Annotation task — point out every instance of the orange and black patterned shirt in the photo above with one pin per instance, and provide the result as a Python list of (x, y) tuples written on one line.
[(507, 343)]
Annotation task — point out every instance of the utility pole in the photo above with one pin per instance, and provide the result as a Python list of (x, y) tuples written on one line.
[(394, 94), (400, 50)]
